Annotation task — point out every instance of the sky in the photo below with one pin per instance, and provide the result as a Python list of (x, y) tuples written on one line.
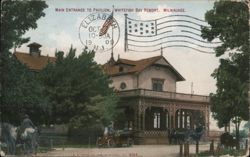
[(62, 27)]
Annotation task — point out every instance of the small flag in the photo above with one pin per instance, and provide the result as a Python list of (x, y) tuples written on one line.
[(106, 25)]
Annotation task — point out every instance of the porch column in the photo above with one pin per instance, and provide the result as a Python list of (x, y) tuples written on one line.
[(141, 115), (181, 118), (174, 118), (171, 116), (207, 120), (139, 119), (206, 115), (191, 121), (185, 118), (136, 118), (143, 118)]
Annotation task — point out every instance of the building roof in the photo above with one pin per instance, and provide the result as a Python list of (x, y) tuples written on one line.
[(34, 44), (34, 62), (137, 66)]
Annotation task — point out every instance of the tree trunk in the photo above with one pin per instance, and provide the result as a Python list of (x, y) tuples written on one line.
[(237, 127)]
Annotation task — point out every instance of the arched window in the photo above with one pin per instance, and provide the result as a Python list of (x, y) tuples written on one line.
[(183, 119), (178, 119), (167, 123), (157, 120)]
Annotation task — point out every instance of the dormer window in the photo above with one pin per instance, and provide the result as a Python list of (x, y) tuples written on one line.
[(121, 69), (157, 84)]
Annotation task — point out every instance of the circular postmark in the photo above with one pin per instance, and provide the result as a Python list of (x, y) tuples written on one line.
[(89, 32)]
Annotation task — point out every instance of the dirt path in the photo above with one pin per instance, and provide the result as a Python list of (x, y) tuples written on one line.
[(135, 151)]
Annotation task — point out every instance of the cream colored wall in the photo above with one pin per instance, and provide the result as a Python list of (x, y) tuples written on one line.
[(145, 78), (128, 79)]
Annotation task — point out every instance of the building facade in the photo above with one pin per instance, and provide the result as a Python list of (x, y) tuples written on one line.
[(147, 91)]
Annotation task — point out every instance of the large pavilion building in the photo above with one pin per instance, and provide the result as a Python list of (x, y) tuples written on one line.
[(147, 91)]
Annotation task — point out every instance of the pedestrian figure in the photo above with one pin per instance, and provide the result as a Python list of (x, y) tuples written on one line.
[(28, 135)]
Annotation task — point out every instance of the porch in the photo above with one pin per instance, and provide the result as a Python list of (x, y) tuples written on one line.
[(151, 113)]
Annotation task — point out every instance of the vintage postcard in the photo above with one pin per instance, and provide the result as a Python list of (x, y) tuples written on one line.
[(135, 78)]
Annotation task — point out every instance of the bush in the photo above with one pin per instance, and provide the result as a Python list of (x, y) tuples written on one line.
[(85, 135)]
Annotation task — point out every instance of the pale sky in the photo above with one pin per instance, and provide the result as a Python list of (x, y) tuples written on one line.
[(60, 29)]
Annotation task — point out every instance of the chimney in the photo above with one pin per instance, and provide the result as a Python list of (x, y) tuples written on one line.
[(34, 49)]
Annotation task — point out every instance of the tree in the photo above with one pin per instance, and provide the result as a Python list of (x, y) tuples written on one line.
[(17, 17), (102, 110), (19, 92), (78, 90), (229, 22)]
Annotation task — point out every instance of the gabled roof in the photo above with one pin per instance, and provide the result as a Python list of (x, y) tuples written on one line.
[(34, 44), (34, 62), (137, 66)]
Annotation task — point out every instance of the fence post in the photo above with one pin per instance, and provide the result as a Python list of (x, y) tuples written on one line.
[(186, 149), (181, 149), (63, 145), (51, 144), (197, 146), (89, 142), (212, 147)]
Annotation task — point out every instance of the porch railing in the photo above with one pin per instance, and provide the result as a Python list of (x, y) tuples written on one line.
[(164, 95), (155, 133)]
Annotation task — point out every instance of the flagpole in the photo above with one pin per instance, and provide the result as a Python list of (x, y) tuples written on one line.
[(126, 34), (112, 38), (112, 41)]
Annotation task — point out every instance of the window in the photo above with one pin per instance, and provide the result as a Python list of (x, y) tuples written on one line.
[(121, 69), (123, 85), (179, 119), (188, 121), (167, 120), (157, 119), (157, 85)]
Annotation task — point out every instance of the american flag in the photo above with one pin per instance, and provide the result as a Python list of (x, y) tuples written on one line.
[(106, 25), (168, 31)]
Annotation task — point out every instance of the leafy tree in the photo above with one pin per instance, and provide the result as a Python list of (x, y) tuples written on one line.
[(20, 93), (198, 118), (229, 22), (78, 90), (17, 17), (243, 134), (101, 109)]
